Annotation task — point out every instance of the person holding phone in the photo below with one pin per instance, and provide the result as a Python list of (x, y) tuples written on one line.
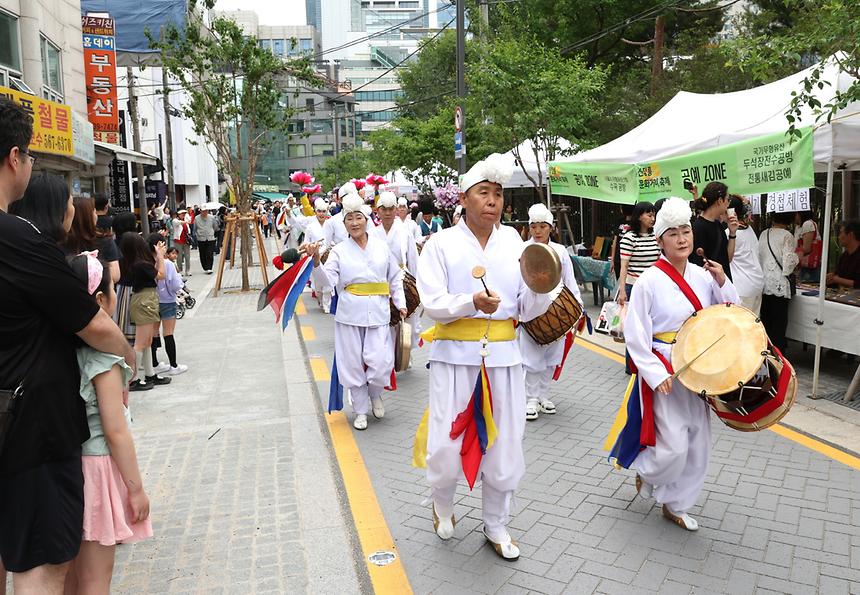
[(708, 231)]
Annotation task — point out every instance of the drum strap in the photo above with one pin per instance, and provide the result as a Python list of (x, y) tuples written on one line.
[(682, 284)]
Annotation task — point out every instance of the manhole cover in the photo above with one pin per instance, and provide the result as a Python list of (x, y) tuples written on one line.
[(382, 558)]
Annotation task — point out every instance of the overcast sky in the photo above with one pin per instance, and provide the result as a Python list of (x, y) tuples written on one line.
[(272, 12)]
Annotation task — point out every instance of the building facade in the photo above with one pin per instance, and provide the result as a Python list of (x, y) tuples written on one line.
[(284, 41)]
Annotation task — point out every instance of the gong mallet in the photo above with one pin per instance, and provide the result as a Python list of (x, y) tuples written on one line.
[(478, 273), (700, 252), (693, 361)]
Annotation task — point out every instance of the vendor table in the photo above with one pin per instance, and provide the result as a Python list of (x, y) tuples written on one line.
[(596, 272), (841, 324)]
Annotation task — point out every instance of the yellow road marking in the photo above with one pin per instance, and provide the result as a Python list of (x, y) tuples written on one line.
[(811, 443), (308, 333), (373, 532), (300, 307)]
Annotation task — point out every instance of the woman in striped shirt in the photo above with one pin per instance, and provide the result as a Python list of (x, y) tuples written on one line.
[(638, 249)]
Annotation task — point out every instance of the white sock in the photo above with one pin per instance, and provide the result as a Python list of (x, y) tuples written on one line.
[(147, 362), (138, 356)]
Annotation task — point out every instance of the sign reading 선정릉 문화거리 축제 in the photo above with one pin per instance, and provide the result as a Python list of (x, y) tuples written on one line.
[(768, 163)]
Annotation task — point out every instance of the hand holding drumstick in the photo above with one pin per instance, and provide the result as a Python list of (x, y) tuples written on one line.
[(714, 268)]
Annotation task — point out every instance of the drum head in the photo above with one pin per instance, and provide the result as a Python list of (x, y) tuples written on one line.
[(733, 360), (402, 347), (540, 267)]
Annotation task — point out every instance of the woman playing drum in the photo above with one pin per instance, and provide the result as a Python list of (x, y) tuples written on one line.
[(540, 361), (365, 275), (667, 436)]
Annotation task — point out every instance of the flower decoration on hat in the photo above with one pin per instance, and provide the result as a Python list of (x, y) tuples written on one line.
[(496, 168), (675, 212), (352, 203), (539, 213)]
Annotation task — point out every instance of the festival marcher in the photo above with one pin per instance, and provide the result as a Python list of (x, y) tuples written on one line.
[(670, 455), (85, 236), (809, 246), (747, 275), (43, 306), (404, 214), (637, 249), (116, 507), (475, 334), (427, 223), (540, 361), (291, 233), (142, 267), (312, 227), (708, 231), (167, 289), (181, 225), (776, 252), (334, 229), (366, 275), (205, 227), (847, 272)]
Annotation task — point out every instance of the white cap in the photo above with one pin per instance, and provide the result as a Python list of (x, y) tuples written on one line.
[(320, 205), (675, 212), (539, 213), (387, 199), (351, 203), (496, 168), (401, 202), (348, 188)]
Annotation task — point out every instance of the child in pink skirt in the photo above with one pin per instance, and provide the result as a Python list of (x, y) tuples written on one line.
[(116, 509)]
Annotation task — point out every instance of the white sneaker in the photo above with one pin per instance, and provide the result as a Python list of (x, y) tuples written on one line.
[(444, 527), (683, 520), (507, 549), (531, 410), (378, 408), (161, 368), (547, 407), (179, 369), (360, 422)]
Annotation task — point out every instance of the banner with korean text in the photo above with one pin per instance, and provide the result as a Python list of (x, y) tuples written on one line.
[(100, 74), (768, 163), (52, 122)]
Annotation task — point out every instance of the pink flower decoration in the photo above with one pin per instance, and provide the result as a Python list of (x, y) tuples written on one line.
[(310, 190), (374, 180), (359, 184), (302, 178)]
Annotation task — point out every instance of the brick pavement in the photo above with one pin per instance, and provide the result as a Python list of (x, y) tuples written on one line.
[(774, 515)]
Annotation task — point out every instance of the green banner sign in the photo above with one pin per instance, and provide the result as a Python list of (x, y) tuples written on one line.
[(764, 164)]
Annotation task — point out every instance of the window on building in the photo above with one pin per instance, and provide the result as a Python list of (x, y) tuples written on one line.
[(279, 47), (10, 49), (298, 151), (296, 127), (321, 127), (319, 150), (385, 95), (266, 44), (52, 71), (310, 105), (342, 129), (351, 126), (306, 46)]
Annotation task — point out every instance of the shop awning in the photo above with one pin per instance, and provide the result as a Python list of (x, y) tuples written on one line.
[(270, 196), (125, 154)]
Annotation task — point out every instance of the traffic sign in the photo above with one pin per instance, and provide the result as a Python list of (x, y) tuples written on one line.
[(458, 119)]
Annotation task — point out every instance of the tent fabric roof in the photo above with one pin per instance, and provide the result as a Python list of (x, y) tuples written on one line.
[(526, 152), (692, 122), (271, 196)]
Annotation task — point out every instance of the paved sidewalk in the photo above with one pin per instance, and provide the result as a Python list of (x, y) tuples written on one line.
[(246, 496), (775, 516)]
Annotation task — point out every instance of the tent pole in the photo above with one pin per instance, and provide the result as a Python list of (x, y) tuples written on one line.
[(581, 223), (822, 281)]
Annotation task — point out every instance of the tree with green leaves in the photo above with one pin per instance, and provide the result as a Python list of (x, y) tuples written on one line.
[(234, 91)]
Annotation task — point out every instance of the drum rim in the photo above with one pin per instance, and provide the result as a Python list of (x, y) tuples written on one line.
[(761, 357), (527, 327), (403, 336)]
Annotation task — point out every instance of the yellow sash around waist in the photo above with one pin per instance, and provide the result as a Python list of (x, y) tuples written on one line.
[(667, 337), (472, 329), (365, 289)]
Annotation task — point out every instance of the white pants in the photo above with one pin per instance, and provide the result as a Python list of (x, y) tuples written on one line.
[(752, 302), (539, 363), (676, 466), (503, 466), (365, 358), (319, 283)]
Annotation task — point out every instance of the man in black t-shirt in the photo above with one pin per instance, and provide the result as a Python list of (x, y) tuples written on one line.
[(709, 233), (42, 307)]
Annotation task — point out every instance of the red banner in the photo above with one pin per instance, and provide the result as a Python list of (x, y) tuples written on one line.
[(100, 74)]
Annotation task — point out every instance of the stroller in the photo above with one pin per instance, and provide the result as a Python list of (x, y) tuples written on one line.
[(184, 301)]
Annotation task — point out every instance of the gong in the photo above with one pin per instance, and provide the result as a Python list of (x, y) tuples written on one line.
[(540, 267)]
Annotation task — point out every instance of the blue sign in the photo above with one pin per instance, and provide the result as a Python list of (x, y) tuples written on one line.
[(98, 42)]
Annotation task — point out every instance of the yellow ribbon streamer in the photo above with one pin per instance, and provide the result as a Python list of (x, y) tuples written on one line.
[(419, 447)]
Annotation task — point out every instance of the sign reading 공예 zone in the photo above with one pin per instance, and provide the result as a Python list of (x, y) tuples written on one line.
[(764, 164), (52, 122)]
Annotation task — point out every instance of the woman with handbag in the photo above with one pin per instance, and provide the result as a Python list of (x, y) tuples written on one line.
[(809, 246), (778, 260)]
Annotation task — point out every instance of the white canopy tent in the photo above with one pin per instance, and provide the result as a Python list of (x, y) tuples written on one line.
[(691, 122), (535, 165)]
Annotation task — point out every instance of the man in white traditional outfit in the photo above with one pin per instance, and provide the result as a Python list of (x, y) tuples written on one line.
[(334, 229), (365, 275), (403, 213), (313, 230), (671, 455), (540, 361), (474, 325)]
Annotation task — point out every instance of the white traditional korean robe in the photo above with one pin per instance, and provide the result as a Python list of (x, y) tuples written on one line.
[(446, 286), (313, 231), (677, 464), (362, 339), (334, 230), (403, 250), (540, 361)]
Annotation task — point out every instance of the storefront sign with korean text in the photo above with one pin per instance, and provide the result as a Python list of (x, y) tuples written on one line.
[(52, 122), (100, 73)]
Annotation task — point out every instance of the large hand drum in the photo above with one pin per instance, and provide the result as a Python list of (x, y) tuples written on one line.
[(540, 267), (725, 357)]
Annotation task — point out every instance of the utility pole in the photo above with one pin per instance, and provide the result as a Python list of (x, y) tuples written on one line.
[(657, 58), (485, 19), (461, 80), (138, 166), (168, 137)]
